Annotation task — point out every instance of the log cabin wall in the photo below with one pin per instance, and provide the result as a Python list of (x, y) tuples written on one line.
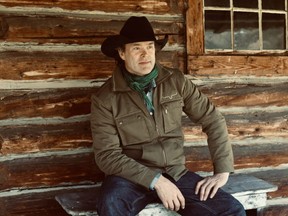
[(50, 64)]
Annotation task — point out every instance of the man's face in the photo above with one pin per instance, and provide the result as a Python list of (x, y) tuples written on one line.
[(139, 57)]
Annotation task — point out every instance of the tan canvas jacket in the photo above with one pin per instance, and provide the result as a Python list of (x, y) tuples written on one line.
[(131, 143)]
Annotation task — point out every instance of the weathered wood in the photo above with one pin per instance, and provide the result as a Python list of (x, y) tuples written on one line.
[(45, 137), (34, 202), (194, 28), (61, 168), (73, 30), (150, 7), (247, 156), (262, 124), (48, 134), (48, 171), (71, 102), (281, 210), (66, 65), (277, 177), (45, 65), (248, 94), (271, 154), (238, 65), (198, 158), (45, 103)]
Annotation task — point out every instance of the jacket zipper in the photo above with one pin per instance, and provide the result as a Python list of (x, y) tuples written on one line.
[(157, 129)]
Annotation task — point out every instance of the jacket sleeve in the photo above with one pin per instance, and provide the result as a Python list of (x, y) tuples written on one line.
[(107, 149), (201, 111)]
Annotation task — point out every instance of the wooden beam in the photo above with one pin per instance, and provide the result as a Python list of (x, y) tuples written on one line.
[(248, 156), (73, 30), (211, 66), (45, 103), (41, 135), (67, 65), (194, 28), (247, 95), (34, 202), (54, 168), (49, 171), (159, 6), (277, 177), (69, 102)]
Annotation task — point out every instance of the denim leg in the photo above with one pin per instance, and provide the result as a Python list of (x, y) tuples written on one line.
[(223, 204), (120, 196)]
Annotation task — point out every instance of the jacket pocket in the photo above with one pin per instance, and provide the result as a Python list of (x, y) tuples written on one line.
[(133, 128), (172, 113)]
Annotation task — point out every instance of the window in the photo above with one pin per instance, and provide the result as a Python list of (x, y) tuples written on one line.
[(255, 25)]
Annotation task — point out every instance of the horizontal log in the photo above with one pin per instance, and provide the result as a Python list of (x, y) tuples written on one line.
[(69, 30), (265, 125), (67, 65), (251, 95), (250, 156), (44, 65), (56, 168), (71, 102), (246, 127), (238, 66), (274, 210), (150, 7), (34, 202), (46, 171), (277, 177), (46, 103), (48, 135)]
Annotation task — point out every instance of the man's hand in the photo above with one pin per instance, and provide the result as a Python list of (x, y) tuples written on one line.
[(209, 185), (169, 194)]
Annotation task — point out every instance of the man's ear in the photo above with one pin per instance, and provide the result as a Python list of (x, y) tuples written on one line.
[(121, 53)]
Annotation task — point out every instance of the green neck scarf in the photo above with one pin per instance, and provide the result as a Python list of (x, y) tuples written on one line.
[(140, 83)]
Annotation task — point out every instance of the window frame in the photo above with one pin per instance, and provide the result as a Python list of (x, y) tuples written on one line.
[(195, 25)]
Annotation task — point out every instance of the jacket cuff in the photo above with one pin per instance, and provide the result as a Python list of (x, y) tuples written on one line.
[(147, 178), (224, 166), (154, 181)]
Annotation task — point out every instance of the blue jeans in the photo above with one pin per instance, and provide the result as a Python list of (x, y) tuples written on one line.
[(122, 197)]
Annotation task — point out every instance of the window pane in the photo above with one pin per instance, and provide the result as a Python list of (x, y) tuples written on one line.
[(273, 31), (246, 32), (273, 4), (217, 30), (246, 3), (217, 3)]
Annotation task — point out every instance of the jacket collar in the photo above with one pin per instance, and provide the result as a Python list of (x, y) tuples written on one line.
[(120, 84)]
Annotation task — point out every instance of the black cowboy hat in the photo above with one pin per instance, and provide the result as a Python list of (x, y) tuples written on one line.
[(135, 29)]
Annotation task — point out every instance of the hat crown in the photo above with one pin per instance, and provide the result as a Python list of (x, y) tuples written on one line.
[(138, 29), (135, 29)]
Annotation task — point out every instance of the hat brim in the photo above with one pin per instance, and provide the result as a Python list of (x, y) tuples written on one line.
[(111, 43)]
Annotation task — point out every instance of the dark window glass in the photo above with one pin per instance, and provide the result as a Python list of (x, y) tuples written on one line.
[(273, 26), (217, 30), (217, 3), (246, 32), (273, 4), (246, 3)]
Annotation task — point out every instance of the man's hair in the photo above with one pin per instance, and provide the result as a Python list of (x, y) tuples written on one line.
[(118, 59)]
